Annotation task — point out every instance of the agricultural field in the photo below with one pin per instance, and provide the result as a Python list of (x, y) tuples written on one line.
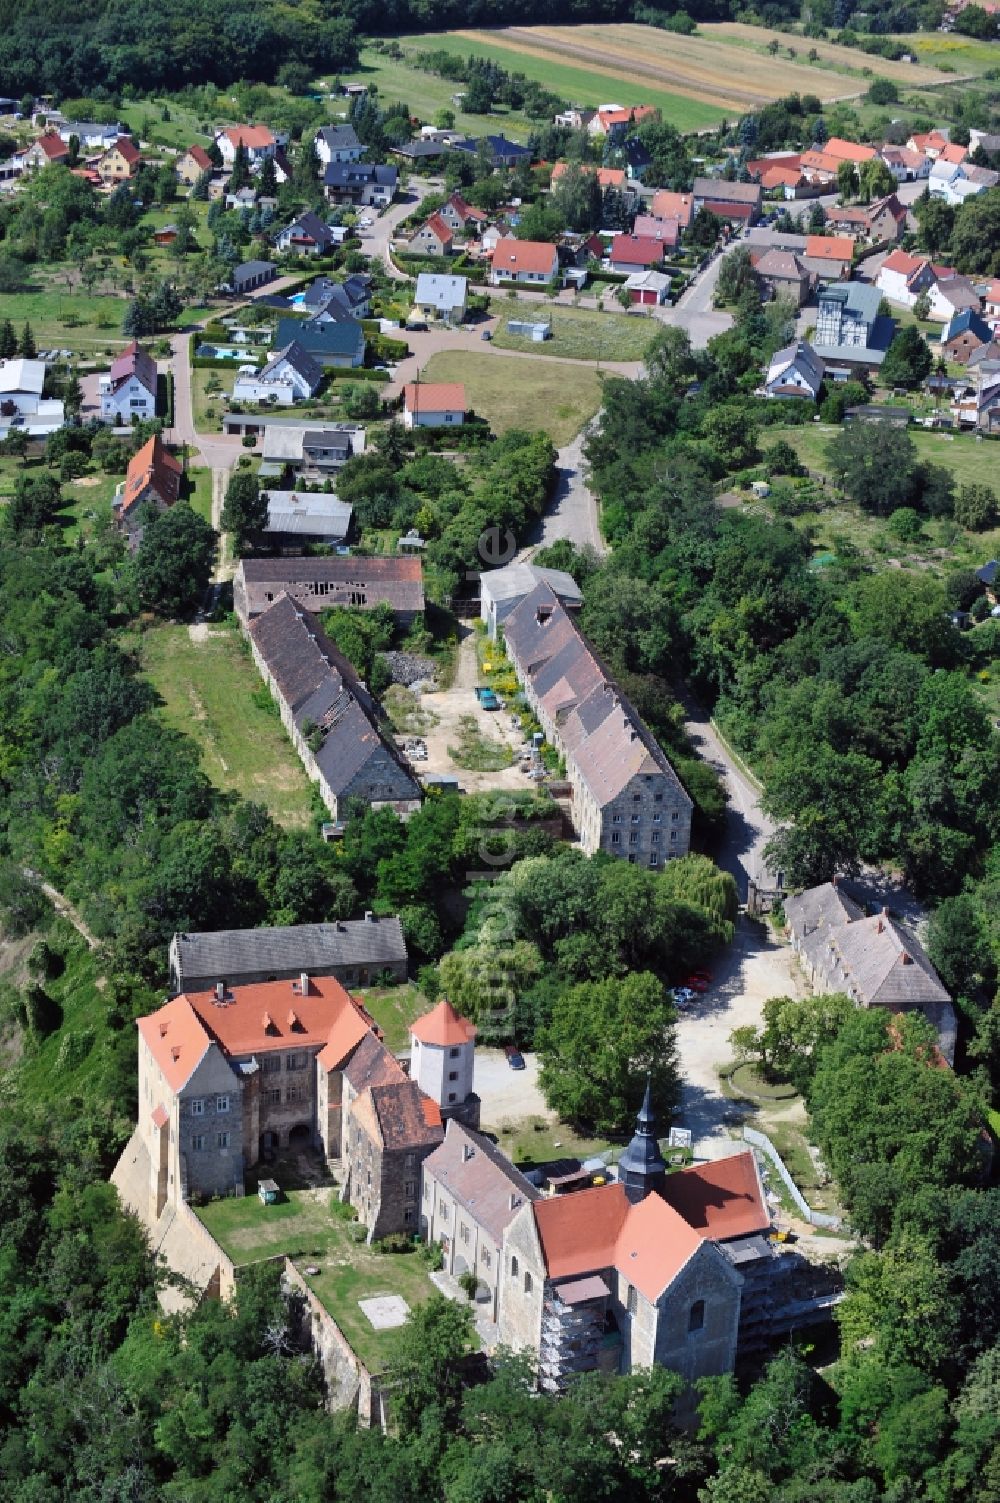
[(425, 93), (725, 69), (950, 52), (530, 394), (211, 691)]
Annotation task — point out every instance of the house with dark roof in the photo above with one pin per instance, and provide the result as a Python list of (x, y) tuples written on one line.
[(335, 725), (360, 183), (291, 375), (352, 951), (502, 153), (320, 584), (626, 798), (129, 389), (784, 275), (328, 342), (338, 143), (250, 275), (875, 960), (796, 371), (393, 1128), (737, 202), (350, 298), (963, 334), (306, 236), (297, 518), (153, 479), (851, 334)]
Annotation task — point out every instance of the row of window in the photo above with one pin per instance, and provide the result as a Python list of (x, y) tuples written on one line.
[(199, 1141), (272, 1096), (636, 819), (198, 1105), (633, 839)]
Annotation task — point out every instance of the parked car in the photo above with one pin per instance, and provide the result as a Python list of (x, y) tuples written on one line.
[(514, 1057), (486, 334), (696, 984), (417, 326), (683, 995), (487, 698)]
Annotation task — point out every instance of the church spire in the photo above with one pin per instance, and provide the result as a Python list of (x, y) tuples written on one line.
[(641, 1168)]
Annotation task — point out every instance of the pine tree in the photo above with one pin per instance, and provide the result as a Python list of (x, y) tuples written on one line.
[(240, 175), (8, 340), (27, 348), (268, 181)]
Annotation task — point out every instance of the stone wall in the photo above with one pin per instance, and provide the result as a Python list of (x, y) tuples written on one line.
[(349, 1383)]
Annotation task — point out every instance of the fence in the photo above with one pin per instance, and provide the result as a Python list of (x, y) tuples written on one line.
[(815, 1218)]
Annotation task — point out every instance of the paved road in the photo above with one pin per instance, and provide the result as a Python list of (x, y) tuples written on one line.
[(748, 828), (693, 310), (574, 512)]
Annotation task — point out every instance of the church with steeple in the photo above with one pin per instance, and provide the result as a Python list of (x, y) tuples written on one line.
[(643, 1270)]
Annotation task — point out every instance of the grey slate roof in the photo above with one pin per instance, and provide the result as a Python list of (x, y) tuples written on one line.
[(516, 580), (299, 359), (339, 137), (480, 1177), (317, 949), (344, 176), (887, 964), (308, 513), (322, 340), (813, 914)]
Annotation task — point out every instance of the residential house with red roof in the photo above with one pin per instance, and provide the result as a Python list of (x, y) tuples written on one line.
[(526, 261), (230, 1074), (669, 205), (905, 165), (190, 165), (153, 479), (636, 253), (666, 231), (607, 177), (848, 151), (48, 148), (830, 255), (616, 122), (433, 238), (463, 218), (991, 301), (129, 389), (119, 162), (433, 404), (902, 277), (257, 141)]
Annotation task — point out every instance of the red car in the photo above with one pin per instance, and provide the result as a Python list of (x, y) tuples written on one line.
[(697, 983)]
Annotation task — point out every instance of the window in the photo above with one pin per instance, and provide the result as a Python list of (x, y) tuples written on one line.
[(463, 1232), (272, 1064), (452, 1074), (527, 1283), (615, 838), (453, 1053), (223, 1140), (657, 818), (631, 1300), (636, 818), (222, 1103), (616, 819), (696, 1316), (410, 1189), (295, 1093), (487, 1257), (654, 859), (427, 1192), (198, 1142), (674, 817), (411, 1159), (197, 1108), (272, 1096), (451, 1097), (636, 797), (654, 839), (633, 839), (296, 1061), (657, 798), (442, 1207), (673, 837), (408, 1215), (513, 1268)]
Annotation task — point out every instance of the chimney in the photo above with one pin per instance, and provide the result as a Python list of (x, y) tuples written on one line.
[(163, 1030), (468, 1152), (304, 983), (369, 916), (906, 957), (220, 991), (513, 1202)]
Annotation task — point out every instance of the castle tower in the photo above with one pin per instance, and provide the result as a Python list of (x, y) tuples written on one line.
[(442, 1061), (641, 1168)]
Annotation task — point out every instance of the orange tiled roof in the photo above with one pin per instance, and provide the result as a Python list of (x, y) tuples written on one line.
[(200, 157), (434, 396), (127, 148), (349, 1027), (903, 262), (720, 1199), (250, 136), (272, 1014), (524, 255), (830, 247), (953, 153), (443, 1025), (435, 223), (669, 205), (848, 151), (177, 1040), (151, 467), (607, 177)]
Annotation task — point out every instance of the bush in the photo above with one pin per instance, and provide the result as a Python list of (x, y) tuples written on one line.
[(396, 1242), (469, 1283)]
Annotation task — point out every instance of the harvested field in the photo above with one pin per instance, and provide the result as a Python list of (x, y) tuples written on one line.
[(726, 65)]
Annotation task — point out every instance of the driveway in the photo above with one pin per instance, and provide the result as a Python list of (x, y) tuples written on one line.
[(748, 828), (449, 707), (693, 310), (507, 1095), (573, 512)]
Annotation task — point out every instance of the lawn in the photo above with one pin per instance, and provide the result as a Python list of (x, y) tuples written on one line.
[(540, 1140), (305, 1228), (65, 320), (577, 333), (936, 49), (89, 503), (207, 390), (522, 393), (969, 460), (211, 690), (394, 1008), (426, 93), (200, 495), (587, 77)]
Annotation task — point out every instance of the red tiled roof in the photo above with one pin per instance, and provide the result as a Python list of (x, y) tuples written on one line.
[(830, 247), (294, 1020), (780, 177), (466, 210), (438, 227), (720, 1199), (902, 262), (820, 161), (524, 255), (607, 177), (151, 468), (127, 148), (953, 153), (848, 151), (434, 396), (249, 136), (200, 157), (668, 205), (637, 250), (443, 1025), (349, 1027), (177, 1040), (53, 145)]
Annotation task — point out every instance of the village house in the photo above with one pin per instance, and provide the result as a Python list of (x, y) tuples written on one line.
[(360, 183), (119, 162), (441, 297), (929, 144), (616, 122), (23, 408), (737, 203), (884, 220), (91, 134), (433, 238), (338, 143), (128, 391), (500, 151), (49, 147), (352, 951), (291, 375), (631, 253), (850, 335), (333, 722), (607, 177), (190, 165), (296, 519), (951, 295), (311, 450), (831, 255), (626, 798), (848, 151), (784, 275), (666, 231), (669, 205), (502, 590), (963, 335), (322, 583), (991, 302), (433, 404), (796, 371), (337, 301), (819, 171), (462, 218), (526, 261), (153, 479), (902, 277), (256, 140), (906, 165), (875, 960), (329, 343), (306, 236)]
